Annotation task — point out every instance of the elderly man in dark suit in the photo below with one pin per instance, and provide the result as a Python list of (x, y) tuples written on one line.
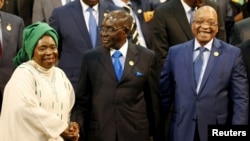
[(172, 25), (10, 42), (71, 21), (120, 102)]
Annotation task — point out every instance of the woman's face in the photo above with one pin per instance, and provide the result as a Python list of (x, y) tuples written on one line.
[(46, 53)]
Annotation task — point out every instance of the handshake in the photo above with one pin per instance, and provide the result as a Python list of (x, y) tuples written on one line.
[(71, 133)]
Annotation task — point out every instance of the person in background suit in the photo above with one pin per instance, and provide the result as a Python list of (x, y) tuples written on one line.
[(240, 31), (112, 108), (142, 14), (42, 9), (11, 27), (71, 23), (173, 27), (219, 95), (22, 8), (245, 49), (228, 15)]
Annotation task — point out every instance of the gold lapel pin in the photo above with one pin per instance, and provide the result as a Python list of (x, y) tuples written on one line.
[(8, 27), (131, 63), (216, 53)]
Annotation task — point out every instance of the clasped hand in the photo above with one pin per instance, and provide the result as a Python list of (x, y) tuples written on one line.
[(71, 133)]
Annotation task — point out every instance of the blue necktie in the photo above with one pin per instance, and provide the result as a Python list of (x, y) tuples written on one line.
[(117, 64), (198, 64), (92, 27)]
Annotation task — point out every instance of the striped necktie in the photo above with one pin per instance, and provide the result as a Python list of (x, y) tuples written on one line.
[(133, 29)]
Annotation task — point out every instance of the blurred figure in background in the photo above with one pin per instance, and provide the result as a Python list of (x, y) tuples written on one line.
[(11, 27)]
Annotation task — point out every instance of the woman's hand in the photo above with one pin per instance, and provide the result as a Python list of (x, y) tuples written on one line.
[(71, 132)]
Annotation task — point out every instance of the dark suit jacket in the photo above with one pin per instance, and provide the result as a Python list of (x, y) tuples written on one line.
[(140, 7), (224, 81), (22, 8), (128, 109), (69, 22), (240, 31), (12, 27), (245, 48), (171, 27)]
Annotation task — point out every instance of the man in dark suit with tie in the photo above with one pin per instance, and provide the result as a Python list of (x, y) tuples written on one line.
[(117, 108), (220, 95), (171, 25), (11, 41), (71, 23)]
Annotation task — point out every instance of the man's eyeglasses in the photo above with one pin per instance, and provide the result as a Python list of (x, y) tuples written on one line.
[(201, 22), (108, 29)]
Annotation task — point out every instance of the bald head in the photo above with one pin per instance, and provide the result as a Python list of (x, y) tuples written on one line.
[(205, 24), (120, 17)]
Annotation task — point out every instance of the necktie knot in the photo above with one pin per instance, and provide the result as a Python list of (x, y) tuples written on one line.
[(117, 54)]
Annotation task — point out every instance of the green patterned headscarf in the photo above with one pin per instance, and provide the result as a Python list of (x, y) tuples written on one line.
[(31, 35)]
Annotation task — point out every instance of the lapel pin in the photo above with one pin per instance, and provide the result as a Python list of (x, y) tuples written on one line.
[(139, 11), (8, 27), (131, 63), (216, 53)]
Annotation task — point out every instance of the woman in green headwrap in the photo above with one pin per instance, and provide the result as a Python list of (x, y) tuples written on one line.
[(39, 97)]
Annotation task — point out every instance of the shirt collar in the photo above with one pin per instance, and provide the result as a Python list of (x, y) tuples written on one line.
[(208, 46), (123, 49), (85, 6)]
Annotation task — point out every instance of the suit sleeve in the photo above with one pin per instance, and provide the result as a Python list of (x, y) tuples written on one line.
[(240, 92)]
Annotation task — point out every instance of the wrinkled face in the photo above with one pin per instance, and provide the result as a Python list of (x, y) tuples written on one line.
[(205, 24), (45, 53), (112, 33), (90, 2)]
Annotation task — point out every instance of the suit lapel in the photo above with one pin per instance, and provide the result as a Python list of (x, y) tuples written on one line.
[(106, 60), (131, 60), (212, 61), (6, 33), (188, 55), (181, 18)]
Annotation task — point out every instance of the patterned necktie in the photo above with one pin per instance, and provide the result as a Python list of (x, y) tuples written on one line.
[(133, 29), (92, 27), (117, 64), (198, 62)]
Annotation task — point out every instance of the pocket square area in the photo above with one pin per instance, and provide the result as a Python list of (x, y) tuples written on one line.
[(138, 74)]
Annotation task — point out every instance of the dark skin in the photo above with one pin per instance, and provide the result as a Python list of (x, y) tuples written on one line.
[(119, 23), (205, 24), (194, 3), (45, 52), (91, 3)]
